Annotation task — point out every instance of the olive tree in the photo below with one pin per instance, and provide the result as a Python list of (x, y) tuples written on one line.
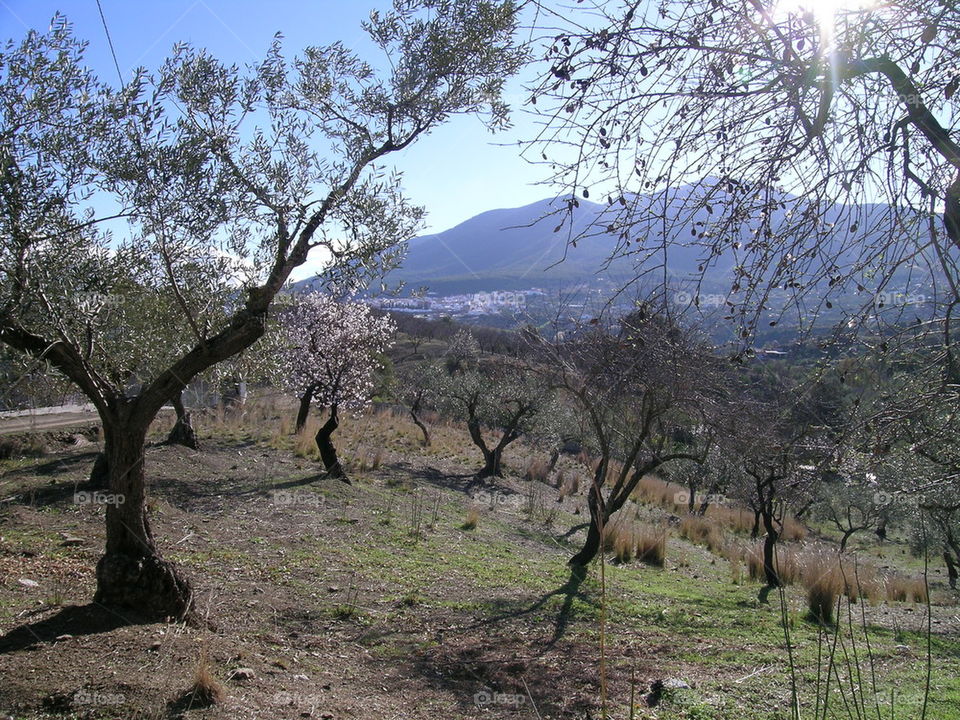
[(201, 179), (496, 394)]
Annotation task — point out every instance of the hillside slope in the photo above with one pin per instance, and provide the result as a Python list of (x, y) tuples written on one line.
[(379, 599)]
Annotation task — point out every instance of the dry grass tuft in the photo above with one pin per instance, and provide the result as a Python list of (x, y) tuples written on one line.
[(702, 531), (304, 442), (538, 469), (793, 530), (626, 542), (206, 690), (822, 595), (787, 563), (473, 518), (651, 546), (901, 589)]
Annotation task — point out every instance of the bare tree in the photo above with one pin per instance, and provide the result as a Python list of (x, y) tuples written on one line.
[(635, 382), (798, 155), (781, 456)]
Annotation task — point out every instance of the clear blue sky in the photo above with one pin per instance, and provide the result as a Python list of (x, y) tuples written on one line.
[(456, 172)]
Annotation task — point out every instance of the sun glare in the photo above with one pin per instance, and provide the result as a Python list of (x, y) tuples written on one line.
[(825, 12)]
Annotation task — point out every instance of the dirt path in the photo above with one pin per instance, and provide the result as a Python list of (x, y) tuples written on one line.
[(48, 418)]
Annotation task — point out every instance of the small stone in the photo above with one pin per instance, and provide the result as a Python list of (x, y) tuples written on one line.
[(65, 636), (242, 674), (300, 677), (71, 540), (333, 589), (26, 582), (155, 646)]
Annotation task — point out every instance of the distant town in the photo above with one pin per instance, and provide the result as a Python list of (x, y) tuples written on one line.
[(467, 305)]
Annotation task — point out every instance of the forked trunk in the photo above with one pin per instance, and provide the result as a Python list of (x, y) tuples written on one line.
[(328, 453), (491, 463), (131, 573), (182, 432)]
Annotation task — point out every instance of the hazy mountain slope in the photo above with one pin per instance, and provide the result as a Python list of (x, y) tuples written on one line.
[(524, 247)]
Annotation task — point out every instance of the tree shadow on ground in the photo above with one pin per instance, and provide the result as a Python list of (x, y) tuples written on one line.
[(570, 590), (74, 620), (493, 665), (433, 476)]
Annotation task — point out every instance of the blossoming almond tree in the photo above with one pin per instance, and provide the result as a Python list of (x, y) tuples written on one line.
[(334, 349), (201, 179)]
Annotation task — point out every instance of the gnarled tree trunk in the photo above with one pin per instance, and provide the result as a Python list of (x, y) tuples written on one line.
[(328, 453), (491, 463), (304, 410), (414, 410), (491, 456), (951, 569), (182, 432), (599, 516), (131, 573)]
